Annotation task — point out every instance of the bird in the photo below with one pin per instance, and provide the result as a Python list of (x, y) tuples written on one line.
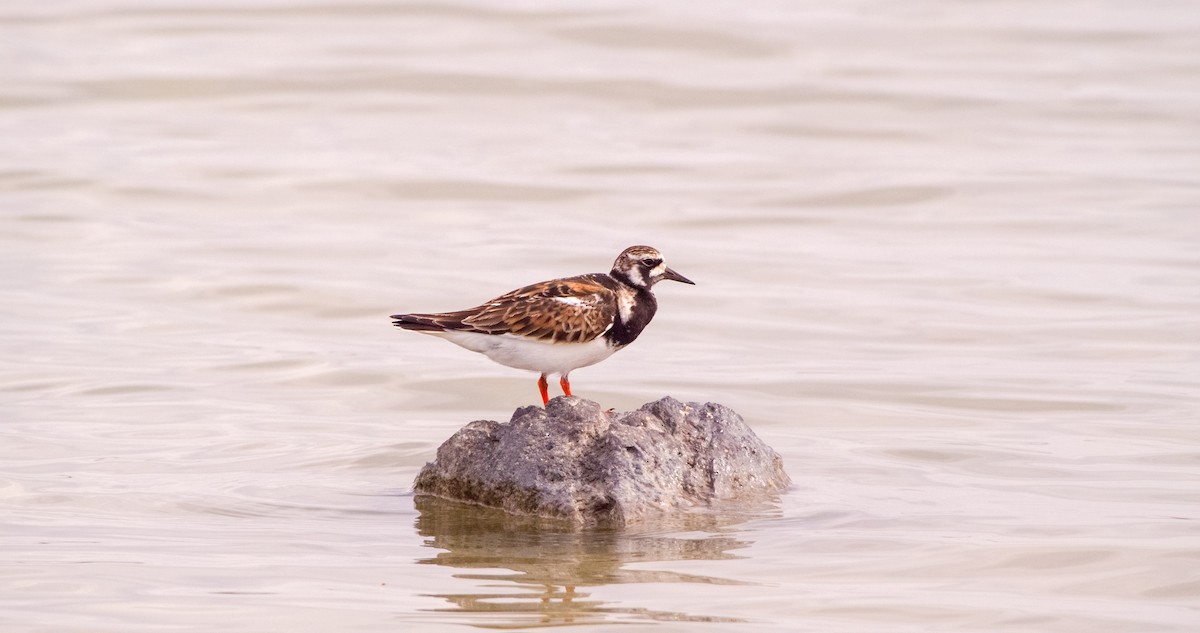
[(555, 327)]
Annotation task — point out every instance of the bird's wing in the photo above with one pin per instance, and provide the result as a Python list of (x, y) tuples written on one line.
[(571, 310)]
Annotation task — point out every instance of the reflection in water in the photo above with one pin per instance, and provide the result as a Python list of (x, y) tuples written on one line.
[(550, 561)]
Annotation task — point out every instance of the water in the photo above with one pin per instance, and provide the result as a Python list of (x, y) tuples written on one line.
[(946, 258)]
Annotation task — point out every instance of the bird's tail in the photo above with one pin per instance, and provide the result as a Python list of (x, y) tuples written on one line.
[(424, 322)]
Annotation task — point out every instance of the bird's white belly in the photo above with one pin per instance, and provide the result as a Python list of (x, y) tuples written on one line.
[(523, 353)]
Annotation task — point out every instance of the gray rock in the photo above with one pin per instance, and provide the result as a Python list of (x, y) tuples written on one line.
[(575, 461)]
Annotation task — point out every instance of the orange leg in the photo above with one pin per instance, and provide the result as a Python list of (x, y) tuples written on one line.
[(544, 387), (565, 384)]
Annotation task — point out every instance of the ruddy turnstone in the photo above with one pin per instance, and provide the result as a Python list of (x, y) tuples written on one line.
[(557, 326)]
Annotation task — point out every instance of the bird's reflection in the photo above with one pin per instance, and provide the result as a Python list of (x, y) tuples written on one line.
[(536, 572)]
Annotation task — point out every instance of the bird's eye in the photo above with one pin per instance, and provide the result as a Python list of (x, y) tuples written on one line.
[(650, 262)]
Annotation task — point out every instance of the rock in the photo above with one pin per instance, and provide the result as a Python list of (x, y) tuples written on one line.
[(575, 461)]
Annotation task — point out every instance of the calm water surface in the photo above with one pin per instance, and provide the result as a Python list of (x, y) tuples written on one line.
[(947, 260)]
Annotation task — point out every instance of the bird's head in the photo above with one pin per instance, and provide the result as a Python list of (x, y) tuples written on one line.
[(642, 267)]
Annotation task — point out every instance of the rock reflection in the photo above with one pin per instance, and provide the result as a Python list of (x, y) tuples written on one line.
[(550, 564)]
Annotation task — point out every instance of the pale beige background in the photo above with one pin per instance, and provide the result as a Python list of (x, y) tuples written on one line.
[(947, 258)]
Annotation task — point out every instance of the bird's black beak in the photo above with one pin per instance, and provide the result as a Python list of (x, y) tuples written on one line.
[(674, 276)]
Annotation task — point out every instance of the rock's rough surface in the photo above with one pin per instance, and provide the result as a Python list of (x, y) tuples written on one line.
[(574, 461)]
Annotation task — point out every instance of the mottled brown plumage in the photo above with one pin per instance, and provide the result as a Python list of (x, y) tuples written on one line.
[(571, 310)]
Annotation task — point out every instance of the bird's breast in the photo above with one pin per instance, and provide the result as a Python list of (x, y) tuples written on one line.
[(635, 309)]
